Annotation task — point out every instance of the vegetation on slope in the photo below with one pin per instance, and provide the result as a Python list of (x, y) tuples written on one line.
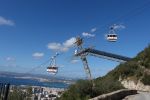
[(83, 89), (136, 69), (18, 94)]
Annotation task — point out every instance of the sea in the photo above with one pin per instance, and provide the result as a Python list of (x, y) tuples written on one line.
[(30, 82)]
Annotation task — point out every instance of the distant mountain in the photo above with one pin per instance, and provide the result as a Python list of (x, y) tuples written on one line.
[(38, 77)]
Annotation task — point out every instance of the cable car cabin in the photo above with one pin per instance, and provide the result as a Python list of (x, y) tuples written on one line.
[(52, 70), (112, 37)]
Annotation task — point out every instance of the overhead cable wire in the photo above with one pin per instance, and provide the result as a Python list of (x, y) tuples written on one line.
[(128, 15), (37, 67)]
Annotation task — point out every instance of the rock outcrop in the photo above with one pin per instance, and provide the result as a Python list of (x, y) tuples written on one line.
[(129, 84)]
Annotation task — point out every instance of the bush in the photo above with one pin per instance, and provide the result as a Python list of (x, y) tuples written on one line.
[(84, 89), (146, 79), (79, 91)]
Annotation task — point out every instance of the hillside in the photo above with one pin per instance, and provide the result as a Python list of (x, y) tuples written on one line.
[(137, 70)]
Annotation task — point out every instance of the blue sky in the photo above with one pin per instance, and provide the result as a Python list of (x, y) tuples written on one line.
[(30, 30)]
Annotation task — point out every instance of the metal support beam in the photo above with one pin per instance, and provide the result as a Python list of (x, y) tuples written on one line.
[(86, 67), (103, 54)]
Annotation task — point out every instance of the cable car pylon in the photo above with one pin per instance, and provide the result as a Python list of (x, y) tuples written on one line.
[(79, 42), (83, 52)]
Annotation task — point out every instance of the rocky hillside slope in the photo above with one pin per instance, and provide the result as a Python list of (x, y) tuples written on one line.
[(134, 74)]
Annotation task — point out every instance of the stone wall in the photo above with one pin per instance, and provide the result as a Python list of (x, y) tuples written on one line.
[(116, 95)]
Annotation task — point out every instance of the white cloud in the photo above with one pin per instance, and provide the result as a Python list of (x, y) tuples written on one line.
[(54, 46), (10, 62), (10, 59), (74, 61), (38, 55), (85, 34), (93, 30), (119, 26), (63, 47), (4, 21), (57, 47), (70, 42)]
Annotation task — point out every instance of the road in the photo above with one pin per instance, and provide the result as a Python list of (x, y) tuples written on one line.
[(139, 96)]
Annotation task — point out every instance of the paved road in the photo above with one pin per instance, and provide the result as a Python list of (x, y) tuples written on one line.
[(140, 96)]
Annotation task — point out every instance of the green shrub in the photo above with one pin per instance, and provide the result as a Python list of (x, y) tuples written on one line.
[(146, 79), (79, 91)]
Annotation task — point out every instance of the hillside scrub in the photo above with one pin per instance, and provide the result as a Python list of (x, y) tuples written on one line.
[(83, 89), (133, 69)]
